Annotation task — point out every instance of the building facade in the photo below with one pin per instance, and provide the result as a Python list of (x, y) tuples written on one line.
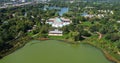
[(55, 32), (58, 22)]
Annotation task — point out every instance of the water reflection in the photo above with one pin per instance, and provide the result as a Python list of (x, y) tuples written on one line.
[(60, 10)]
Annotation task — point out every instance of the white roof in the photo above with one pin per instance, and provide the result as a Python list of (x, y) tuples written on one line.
[(118, 21), (56, 31)]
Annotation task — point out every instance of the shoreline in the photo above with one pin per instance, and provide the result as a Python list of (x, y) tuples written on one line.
[(106, 54), (109, 57), (20, 43)]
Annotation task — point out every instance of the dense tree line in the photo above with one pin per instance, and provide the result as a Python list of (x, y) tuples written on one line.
[(18, 22)]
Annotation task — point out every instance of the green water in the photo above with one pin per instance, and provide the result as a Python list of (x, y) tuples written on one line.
[(53, 51)]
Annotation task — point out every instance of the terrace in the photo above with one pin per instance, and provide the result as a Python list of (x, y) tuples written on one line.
[(58, 22)]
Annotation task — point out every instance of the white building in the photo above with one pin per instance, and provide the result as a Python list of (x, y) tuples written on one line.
[(23, 1), (56, 32), (58, 22), (13, 0), (118, 21), (71, 1)]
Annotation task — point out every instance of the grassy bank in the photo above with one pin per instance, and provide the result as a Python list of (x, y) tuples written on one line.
[(94, 41), (107, 55), (102, 46), (16, 44)]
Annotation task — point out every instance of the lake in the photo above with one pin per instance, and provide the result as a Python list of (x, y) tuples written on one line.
[(53, 51), (61, 11)]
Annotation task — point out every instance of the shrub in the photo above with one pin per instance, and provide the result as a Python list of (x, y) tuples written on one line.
[(113, 37)]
